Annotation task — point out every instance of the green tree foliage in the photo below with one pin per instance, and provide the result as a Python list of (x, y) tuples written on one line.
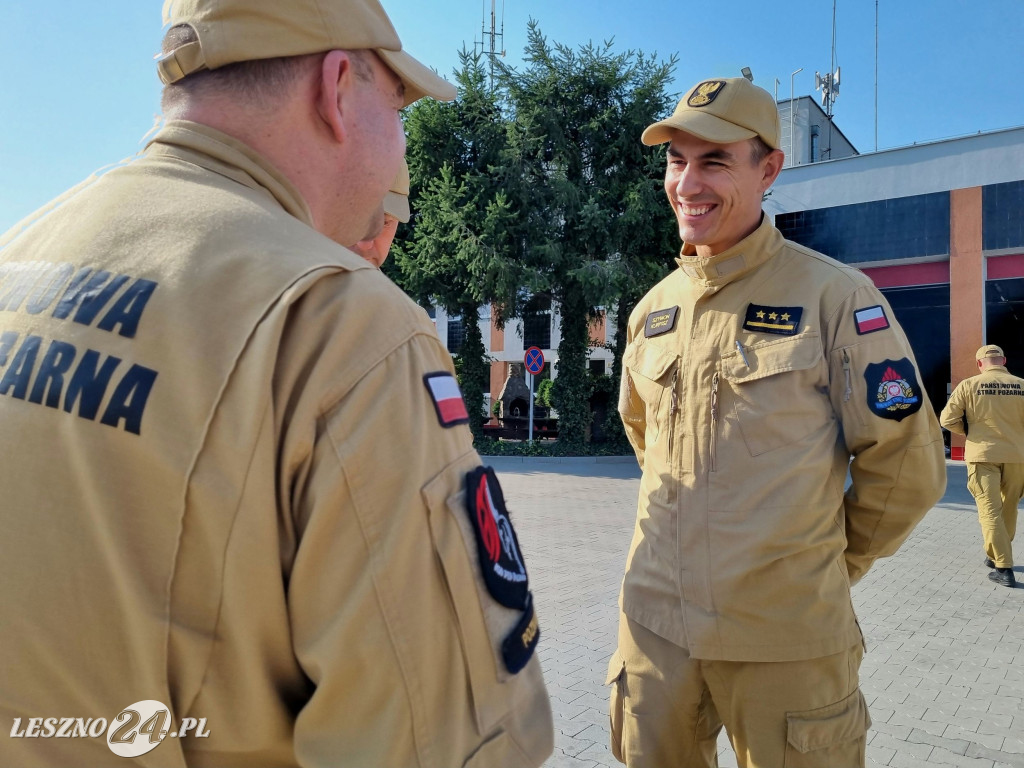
[(543, 397), (539, 185), (597, 229), (456, 251)]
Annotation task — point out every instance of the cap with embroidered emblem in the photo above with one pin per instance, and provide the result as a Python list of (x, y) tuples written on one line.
[(721, 111), (231, 31), (989, 350)]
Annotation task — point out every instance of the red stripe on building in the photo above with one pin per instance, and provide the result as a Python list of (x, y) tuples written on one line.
[(900, 275), (1005, 267)]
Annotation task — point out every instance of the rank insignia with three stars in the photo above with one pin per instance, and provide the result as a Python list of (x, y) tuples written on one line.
[(781, 320)]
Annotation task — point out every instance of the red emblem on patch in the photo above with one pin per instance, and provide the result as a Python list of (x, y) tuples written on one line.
[(501, 560)]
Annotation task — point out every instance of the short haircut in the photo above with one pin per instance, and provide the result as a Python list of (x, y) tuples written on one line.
[(260, 81), (759, 150)]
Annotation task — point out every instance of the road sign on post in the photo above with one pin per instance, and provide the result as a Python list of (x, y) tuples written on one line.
[(534, 361)]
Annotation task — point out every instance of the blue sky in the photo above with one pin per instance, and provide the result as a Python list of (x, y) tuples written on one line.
[(79, 89)]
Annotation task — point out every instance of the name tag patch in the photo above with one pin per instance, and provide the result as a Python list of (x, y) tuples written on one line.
[(518, 647), (501, 560), (870, 319), (447, 398), (784, 321), (893, 391), (661, 321)]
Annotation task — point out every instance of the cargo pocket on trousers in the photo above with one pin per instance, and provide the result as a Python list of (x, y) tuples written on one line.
[(832, 736), (616, 708)]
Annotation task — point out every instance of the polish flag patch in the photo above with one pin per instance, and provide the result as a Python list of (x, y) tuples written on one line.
[(448, 402), (870, 319)]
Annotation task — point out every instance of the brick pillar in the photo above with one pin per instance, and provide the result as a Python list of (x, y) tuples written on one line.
[(966, 289), (599, 330)]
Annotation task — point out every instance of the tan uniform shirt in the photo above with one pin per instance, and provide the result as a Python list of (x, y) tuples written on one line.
[(227, 488), (750, 379), (993, 405)]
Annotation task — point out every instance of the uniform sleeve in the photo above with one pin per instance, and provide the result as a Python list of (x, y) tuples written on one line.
[(411, 658), (898, 467), (632, 410), (953, 416)]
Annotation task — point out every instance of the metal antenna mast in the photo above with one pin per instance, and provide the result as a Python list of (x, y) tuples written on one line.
[(828, 84), (489, 41)]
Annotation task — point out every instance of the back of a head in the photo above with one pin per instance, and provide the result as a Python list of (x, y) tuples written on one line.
[(231, 32), (990, 355)]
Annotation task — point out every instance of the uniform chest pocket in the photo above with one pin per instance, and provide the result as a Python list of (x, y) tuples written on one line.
[(650, 369), (778, 391)]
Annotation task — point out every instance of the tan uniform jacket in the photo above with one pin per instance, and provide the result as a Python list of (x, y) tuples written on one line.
[(748, 384), (993, 405), (226, 488)]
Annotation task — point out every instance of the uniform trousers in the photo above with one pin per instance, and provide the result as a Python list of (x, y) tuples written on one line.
[(997, 490), (667, 708)]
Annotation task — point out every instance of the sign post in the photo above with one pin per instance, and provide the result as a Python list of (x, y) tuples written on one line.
[(534, 361)]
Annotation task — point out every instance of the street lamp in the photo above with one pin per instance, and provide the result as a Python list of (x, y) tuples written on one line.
[(747, 74), (792, 152)]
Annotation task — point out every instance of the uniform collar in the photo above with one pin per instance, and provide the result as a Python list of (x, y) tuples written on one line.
[(215, 151), (721, 268)]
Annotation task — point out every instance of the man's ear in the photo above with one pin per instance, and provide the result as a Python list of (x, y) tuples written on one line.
[(772, 167), (336, 77)]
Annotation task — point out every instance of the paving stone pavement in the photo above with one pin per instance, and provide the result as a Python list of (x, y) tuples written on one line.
[(944, 672)]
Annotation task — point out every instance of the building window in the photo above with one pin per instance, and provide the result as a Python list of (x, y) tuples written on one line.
[(456, 335), (815, 156), (537, 323), (597, 367)]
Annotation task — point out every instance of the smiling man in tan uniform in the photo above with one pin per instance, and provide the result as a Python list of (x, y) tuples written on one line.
[(752, 375), (237, 478), (989, 410)]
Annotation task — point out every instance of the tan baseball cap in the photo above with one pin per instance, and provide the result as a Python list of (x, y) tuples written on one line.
[(721, 111), (396, 201), (230, 31), (989, 350)]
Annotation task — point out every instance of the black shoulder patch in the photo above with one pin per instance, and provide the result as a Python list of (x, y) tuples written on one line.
[(518, 647), (784, 321), (661, 321), (501, 560), (893, 391)]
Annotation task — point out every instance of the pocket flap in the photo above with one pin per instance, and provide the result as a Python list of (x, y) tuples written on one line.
[(649, 360), (819, 728), (495, 752), (770, 357), (615, 667)]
